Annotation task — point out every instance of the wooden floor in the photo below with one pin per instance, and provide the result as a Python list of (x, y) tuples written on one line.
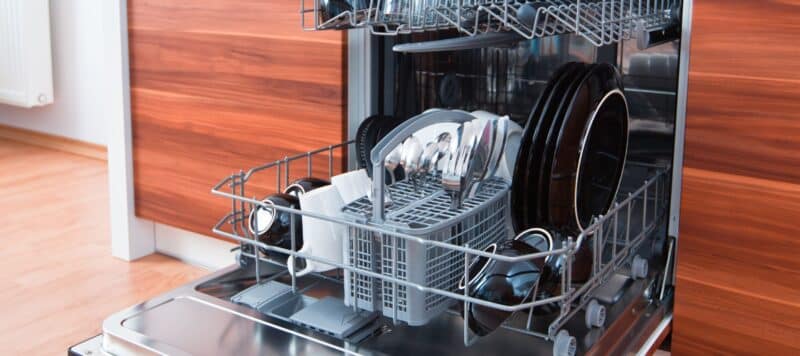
[(59, 280)]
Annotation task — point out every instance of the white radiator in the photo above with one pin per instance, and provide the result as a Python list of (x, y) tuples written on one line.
[(26, 66)]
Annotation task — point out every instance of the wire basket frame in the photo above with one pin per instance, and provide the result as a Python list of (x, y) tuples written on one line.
[(601, 22), (622, 230)]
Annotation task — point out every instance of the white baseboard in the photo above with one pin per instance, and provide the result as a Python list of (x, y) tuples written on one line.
[(192, 248)]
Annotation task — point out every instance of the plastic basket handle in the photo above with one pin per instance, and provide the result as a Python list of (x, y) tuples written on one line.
[(394, 138)]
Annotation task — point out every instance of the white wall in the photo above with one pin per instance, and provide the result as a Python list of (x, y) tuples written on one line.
[(80, 72)]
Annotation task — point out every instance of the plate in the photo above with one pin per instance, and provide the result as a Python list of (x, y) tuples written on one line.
[(520, 167), (361, 145), (373, 134), (531, 209), (590, 151), (541, 163)]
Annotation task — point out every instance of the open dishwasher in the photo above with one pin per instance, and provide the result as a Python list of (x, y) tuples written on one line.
[(414, 255)]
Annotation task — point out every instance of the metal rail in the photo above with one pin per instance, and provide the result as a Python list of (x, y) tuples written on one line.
[(601, 22), (647, 202)]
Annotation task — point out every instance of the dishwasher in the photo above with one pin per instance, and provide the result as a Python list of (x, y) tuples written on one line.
[(510, 185)]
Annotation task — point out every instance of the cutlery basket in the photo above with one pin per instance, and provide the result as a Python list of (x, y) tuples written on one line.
[(425, 214)]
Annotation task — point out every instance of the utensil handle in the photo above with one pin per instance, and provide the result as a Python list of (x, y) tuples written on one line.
[(394, 138)]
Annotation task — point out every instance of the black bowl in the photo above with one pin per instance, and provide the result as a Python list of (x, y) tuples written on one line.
[(305, 185), (274, 227), (507, 283)]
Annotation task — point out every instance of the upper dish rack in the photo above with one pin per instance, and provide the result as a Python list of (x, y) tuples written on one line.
[(601, 22)]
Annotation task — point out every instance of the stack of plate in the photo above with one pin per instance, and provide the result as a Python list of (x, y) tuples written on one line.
[(572, 150)]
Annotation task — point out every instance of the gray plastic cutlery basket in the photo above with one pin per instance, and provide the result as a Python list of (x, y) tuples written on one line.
[(426, 214)]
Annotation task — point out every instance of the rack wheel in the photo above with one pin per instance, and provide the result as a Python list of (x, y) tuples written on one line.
[(638, 267), (564, 344), (595, 314)]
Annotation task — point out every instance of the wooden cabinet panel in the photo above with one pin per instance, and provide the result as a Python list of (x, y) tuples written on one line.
[(741, 233), (711, 320), (744, 126), (249, 18), (746, 38), (219, 86), (738, 279)]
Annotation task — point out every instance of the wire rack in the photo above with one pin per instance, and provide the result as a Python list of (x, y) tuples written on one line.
[(614, 237), (601, 22)]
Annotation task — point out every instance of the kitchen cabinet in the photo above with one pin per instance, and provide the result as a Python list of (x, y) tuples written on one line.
[(220, 85), (738, 271)]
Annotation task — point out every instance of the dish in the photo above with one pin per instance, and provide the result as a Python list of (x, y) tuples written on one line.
[(378, 127), (543, 162), (532, 207), (304, 185), (352, 185), (362, 151), (590, 153), (322, 239), (508, 283), (520, 161), (273, 227)]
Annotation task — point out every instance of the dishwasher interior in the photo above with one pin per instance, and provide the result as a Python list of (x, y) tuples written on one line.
[(332, 274)]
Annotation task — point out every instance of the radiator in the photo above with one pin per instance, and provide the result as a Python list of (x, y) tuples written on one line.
[(26, 65)]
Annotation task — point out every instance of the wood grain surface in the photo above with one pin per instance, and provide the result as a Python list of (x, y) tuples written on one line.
[(219, 86), (59, 279), (738, 282)]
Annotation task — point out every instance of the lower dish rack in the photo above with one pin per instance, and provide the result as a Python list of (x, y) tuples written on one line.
[(407, 267)]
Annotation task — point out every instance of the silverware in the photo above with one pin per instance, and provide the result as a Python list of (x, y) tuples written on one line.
[(500, 126), (412, 152), (434, 151), (457, 176), (392, 161), (484, 131)]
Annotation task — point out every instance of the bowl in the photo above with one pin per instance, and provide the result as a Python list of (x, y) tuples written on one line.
[(507, 283), (274, 227)]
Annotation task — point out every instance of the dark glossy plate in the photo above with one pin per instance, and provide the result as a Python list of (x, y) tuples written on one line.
[(518, 199), (371, 130), (590, 151), (361, 141), (536, 207)]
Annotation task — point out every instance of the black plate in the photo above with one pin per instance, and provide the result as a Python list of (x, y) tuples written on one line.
[(361, 141), (371, 130), (383, 126), (535, 209), (590, 151), (541, 166), (518, 199)]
